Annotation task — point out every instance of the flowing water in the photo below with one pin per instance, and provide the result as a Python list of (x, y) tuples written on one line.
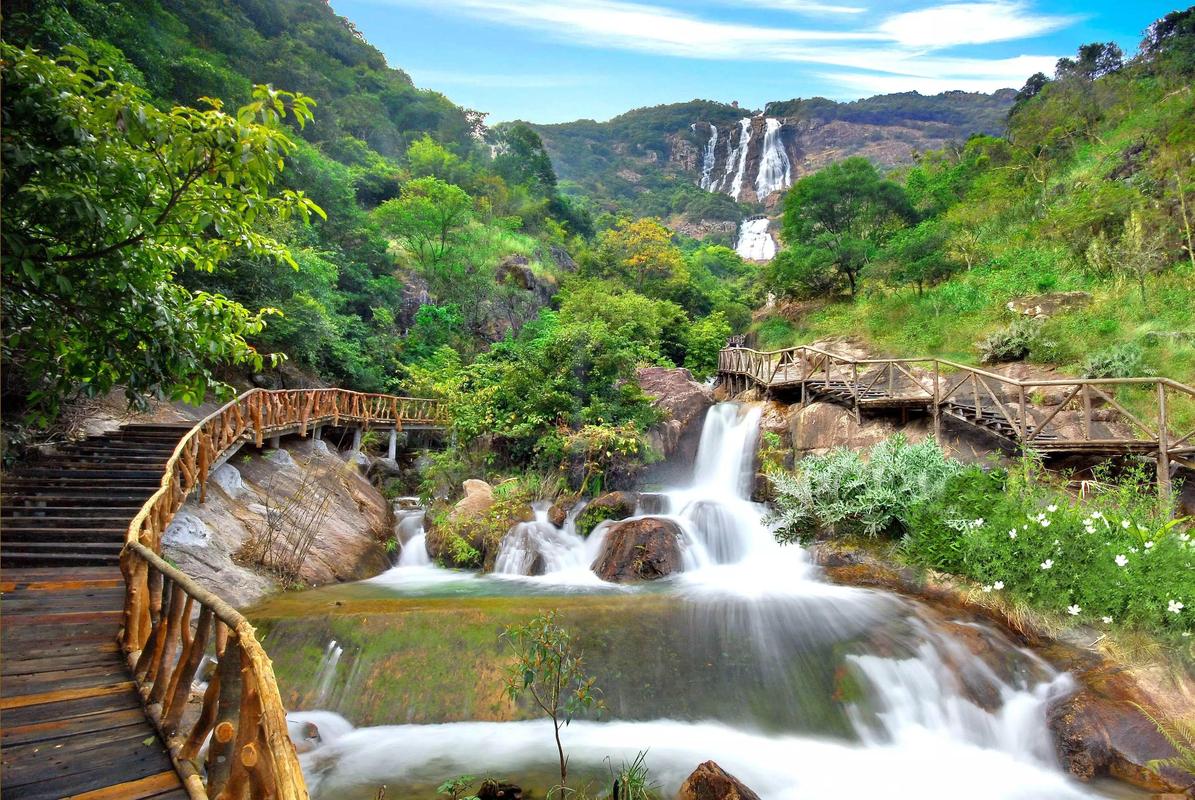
[(775, 172), (708, 157), (738, 157), (755, 242), (802, 689)]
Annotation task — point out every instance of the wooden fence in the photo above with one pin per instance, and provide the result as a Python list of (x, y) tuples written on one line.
[(1069, 415), (171, 623)]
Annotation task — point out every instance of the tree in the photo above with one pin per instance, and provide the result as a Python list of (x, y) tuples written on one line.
[(1033, 86), (427, 158), (918, 256), (523, 159), (703, 340), (426, 219), (641, 254), (1094, 60), (547, 668), (1170, 41), (845, 211), (107, 199)]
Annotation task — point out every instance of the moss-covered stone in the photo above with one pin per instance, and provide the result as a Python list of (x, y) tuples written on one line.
[(613, 505)]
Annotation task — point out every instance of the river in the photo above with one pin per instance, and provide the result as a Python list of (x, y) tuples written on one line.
[(802, 689)]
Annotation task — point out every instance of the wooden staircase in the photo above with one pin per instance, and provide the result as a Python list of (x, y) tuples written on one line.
[(73, 722)]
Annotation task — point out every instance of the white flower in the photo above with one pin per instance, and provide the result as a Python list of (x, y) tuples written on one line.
[(1141, 527), (1124, 523), (1047, 564), (1122, 560), (1106, 620), (987, 589), (1184, 537), (1186, 634), (1148, 545), (1088, 529), (1056, 543), (1073, 610), (1132, 549), (1024, 527), (1174, 607), (998, 585), (978, 523), (1096, 514), (1045, 523), (1051, 508), (1012, 534)]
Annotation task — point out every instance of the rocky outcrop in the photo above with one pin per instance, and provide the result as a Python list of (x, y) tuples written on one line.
[(711, 782), (1042, 306), (208, 540), (612, 505), (684, 402), (639, 550), (469, 534)]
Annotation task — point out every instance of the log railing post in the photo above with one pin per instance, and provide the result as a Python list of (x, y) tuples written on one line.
[(1163, 452), (937, 403)]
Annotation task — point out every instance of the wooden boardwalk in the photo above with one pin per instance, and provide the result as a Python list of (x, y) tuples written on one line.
[(71, 721), (1070, 416)]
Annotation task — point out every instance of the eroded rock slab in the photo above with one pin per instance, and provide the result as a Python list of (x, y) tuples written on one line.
[(641, 549), (711, 782)]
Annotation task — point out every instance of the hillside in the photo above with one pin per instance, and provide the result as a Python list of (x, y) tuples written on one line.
[(667, 160)]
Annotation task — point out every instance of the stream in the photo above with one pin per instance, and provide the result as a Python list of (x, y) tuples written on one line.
[(799, 688)]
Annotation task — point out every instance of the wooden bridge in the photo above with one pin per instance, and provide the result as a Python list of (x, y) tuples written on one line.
[(103, 639), (1051, 417)]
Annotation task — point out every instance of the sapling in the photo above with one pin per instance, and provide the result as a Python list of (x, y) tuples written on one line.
[(547, 668)]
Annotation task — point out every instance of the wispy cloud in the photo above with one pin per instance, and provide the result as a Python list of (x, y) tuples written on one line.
[(969, 23), (800, 6), (901, 51)]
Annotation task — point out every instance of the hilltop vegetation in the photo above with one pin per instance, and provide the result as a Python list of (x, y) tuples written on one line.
[(1091, 190)]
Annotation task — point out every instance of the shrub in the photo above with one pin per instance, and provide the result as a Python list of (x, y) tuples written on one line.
[(1125, 360), (1112, 558), (1013, 343), (843, 492)]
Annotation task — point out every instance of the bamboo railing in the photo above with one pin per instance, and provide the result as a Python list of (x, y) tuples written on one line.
[(234, 743), (1083, 415)]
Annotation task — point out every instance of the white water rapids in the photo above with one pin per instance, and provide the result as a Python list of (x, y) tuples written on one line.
[(755, 242), (923, 716)]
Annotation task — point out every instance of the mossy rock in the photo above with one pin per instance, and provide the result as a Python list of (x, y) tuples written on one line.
[(613, 505)]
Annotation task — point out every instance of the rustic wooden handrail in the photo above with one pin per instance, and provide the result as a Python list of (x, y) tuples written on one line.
[(172, 625), (970, 393)]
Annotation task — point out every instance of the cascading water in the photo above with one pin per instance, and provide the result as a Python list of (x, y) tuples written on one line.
[(708, 157), (755, 243), (802, 689), (739, 158), (775, 172)]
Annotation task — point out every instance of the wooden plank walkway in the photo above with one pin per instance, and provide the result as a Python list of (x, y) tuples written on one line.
[(71, 721)]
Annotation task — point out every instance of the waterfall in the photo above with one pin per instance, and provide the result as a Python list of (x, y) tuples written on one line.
[(708, 159), (327, 673), (755, 243), (736, 185), (775, 172)]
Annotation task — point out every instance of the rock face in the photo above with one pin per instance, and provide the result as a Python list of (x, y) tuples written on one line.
[(612, 505), (1041, 306), (478, 499), (204, 540), (711, 782), (684, 402), (639, 550)]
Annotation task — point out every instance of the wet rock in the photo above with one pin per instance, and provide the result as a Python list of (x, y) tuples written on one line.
[(557, 515), (491, 789), (711, 782), (228, 478), (639, 550), (1098, 731), (612, 505), (1041, 306), (684, 402), (478, 499), (382, 469)]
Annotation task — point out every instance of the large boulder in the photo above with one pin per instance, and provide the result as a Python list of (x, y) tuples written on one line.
[(1041, 306), (478, 499), (711, 782), (612, 505), (684, 402), (639, 550)]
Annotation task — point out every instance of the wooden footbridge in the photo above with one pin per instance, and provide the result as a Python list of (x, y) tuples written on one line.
[(1070, 416), (101, 691)]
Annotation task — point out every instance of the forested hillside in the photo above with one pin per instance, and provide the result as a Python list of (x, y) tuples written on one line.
[(1092, 191), (645, 160)]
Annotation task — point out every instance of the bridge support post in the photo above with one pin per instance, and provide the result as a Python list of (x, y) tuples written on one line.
[(357, 439), (275, 442), (392, 448), (937, 410), (317, 433), (1163, 452)]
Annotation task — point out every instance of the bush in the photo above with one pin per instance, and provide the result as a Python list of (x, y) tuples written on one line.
[(1109, 559), (843, 492), (1125, 360), (1013, 343)]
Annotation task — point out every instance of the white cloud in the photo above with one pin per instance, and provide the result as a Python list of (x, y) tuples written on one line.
[(969, 23), (898, 54), (801, 6)]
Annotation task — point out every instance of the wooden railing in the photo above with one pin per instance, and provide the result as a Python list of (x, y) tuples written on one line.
[(235, 743), (1069, 415)]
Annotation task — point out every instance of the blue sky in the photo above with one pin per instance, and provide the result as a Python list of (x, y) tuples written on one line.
[(550, 61)]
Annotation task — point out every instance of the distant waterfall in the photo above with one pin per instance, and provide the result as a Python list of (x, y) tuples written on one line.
[(775, 172), (708, 159), (736, 185), (754, 242)]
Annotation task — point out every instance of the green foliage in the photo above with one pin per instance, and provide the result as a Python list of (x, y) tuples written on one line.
[(1119, 361), (840, 216), (633, 781), (1110, 558), (1180, 733), (1013, 343), (703, 340), (844, 492), (457, 788), (547, 669), (107, 199)]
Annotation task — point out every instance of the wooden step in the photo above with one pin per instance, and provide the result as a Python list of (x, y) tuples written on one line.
[(91, 472), (58, 497), (48, 535), (65, 521), (24, 554), (81, 513)]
